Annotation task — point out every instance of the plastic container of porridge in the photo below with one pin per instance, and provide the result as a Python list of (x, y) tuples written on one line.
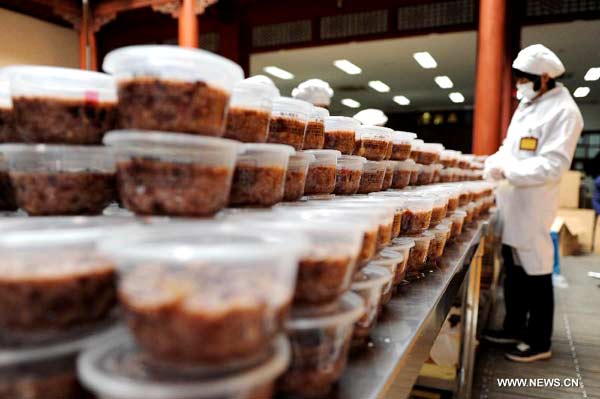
[(425, 174), (61, 105), (449, 158), (289, 119), (369, 283), (447, 175), (249, 112), (372, 177), (348, 174), (418, 254), (7, 115), (49, 261), (321, 175), (171, 88), (117, 370), (182, 284), (374, 142), (260, 175), (440, 204), (458, 218), (320, 341), (419, 208), (340, 133), (426, 153), (59, 179), (389, 175), (402, 245), (401, 145), (394, 262), (436, 249), (295, 179), (314, 139), (172, 174), (402, 173)]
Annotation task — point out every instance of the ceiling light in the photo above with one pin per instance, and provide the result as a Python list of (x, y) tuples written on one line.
[(456, 97), (444, 82), (379, 86), (592, 74), (581, 92), (347, 67), (278, 72), (425, 60), (401, 100), (348, 102)]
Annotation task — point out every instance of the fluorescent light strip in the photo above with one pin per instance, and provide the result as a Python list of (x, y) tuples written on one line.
[(581, 92), (425, 59), (278, 72), (592, 74), (379, 86), (350, 103), (347, 67), (401, 100), (444, 82), (456, 97)]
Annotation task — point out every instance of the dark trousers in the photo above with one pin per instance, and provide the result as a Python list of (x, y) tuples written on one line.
[(529, 304)]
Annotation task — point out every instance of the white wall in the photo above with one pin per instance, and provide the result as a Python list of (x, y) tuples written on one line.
[(26, 40)]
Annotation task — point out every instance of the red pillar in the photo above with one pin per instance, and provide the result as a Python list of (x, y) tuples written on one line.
[(489, 81), (188, 25)]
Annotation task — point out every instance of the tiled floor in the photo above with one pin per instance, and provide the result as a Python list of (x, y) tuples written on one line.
[(576, 343)]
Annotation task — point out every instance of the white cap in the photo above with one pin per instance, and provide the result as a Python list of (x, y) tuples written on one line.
[(538, 60), (371, 116), (315, 91), (264, 80)]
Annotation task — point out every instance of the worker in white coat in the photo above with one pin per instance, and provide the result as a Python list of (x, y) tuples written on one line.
[(538, 149)]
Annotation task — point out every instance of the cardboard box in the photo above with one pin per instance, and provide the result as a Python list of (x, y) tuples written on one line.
[(569, 189), (581, 223), (597, 236), (567, 241)]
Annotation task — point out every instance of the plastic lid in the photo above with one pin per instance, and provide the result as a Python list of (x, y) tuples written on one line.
[(253, 148), (408, 164), (256, 89), (372, 166), (58, 158), (417, 142), (441, 228), (116, 369), (64, 83), (333, 123), (349, 308), (450, 154), (302, 156), (166, 140), (399, 137), (391, 254), (350, 161), (324, 155), (424, 236), (319, 114), (377, 276), (374, 132), (173, 62), (292, 106), (404, 242)]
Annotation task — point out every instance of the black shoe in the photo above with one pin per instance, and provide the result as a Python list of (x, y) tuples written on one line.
[(499, 337), (523, 353)]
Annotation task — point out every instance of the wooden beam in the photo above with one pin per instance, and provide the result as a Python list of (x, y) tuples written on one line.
[(488, 84)]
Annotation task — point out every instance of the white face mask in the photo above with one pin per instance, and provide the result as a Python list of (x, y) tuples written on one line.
[(525, 90)]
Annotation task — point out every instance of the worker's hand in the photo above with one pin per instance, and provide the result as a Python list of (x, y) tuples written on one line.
[(494, 173)]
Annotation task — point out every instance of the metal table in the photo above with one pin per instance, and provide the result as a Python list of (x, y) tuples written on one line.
[(410, 323)]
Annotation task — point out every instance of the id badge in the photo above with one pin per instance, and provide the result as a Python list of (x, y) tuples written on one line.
[(528, 143)]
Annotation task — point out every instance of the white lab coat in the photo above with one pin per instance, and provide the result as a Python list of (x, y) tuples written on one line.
[(528, 198)]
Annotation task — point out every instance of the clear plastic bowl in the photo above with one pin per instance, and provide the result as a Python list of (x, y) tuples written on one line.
[(117, 370), (260, 175), (369, 283), (289, 119), (340, 134), (320, 341), (447, 175), (249, 112), (401, 145), (61, 180), (419, 208), (295, 179), (49, 261), (204, 294), (402, 245), (417, 257), (470, 210), (440, 204), (438, 243), (172, 174), (402, 173), (426, 153), (449, 158), (314, 139), (389, 175), (425, 175), (47, 371), (399, 207), (458, 218), (349, 171), (325, 269), (394, 262), (61, 105), (7, 115), (322, 172), (372, 177), (171, 88), (374, 142)]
